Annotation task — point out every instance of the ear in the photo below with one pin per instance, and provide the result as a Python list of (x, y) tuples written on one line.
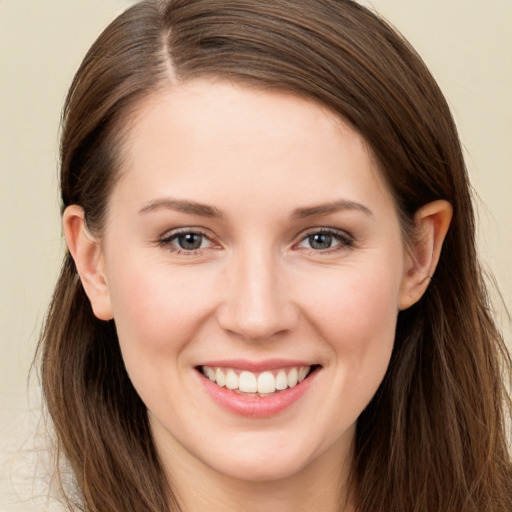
[(89, 261), (431, 225)]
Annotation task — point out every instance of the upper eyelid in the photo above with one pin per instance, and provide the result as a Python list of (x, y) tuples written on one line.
[(170, 233), (325, 230)]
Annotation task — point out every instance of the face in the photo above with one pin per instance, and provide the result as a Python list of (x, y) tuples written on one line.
[(254, 265)]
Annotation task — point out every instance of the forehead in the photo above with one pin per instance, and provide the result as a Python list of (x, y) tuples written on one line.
[(205, 139)]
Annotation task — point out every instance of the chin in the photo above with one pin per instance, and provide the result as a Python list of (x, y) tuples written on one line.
[(269, 458), (262, 469)]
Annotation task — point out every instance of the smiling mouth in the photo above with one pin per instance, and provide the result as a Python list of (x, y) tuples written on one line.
[(261, 384)]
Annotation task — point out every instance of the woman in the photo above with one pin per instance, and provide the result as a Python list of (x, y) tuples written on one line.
[(271, 298)]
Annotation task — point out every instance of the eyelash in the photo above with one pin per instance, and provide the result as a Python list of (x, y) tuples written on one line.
[(168, 239), (345, 241)]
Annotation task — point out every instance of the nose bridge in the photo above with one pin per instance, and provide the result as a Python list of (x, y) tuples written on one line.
[(258, 303)]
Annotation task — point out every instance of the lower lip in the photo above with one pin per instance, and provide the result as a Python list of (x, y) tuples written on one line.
[(256, 406)]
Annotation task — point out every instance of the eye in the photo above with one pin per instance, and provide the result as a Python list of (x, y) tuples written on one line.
[(321, 241), (325, 240), (183, 242), (190, 241)]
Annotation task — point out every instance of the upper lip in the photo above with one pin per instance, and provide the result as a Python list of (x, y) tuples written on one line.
[(256, 366)]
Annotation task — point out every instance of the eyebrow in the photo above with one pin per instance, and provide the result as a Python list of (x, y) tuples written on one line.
[(329, 208), (184, 206), (204, 210)]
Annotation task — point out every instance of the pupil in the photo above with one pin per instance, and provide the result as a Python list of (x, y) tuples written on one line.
[(320, 241), (190, 241)]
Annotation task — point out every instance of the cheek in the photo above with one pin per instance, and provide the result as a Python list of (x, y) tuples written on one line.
[(157, 311), (356, 315), (356, 309)]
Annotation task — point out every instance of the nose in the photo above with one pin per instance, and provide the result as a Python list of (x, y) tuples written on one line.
[(257, 302)]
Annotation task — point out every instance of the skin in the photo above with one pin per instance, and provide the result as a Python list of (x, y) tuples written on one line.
[(256, 288)]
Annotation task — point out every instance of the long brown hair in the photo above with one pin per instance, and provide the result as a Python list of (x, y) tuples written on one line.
[(434, 436)]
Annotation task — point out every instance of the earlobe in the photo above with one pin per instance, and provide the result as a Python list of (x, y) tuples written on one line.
[(431, 225), (88, 256)]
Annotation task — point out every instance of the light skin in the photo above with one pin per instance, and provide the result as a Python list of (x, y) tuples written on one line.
[(298, 255)]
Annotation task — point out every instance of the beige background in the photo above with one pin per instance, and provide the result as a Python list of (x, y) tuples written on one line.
[(466, 43)]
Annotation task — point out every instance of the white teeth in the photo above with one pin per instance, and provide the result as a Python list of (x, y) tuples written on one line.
[(247, 382), (302, 373), (293, 377), (231, 380), (264, 383), (281, 380), (210, 373), (220, 377)]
